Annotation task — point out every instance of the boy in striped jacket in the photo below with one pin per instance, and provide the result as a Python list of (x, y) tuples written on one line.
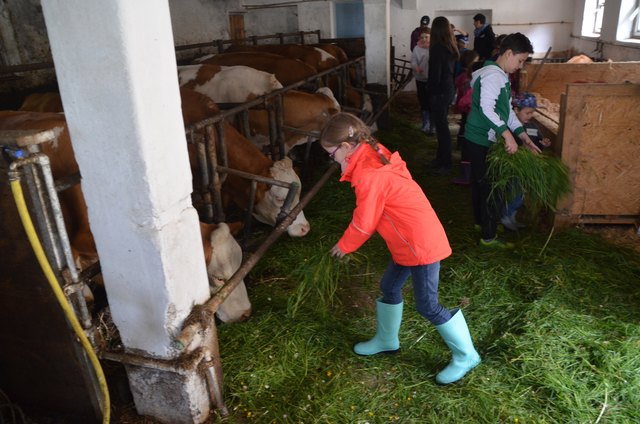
[(492, 117)]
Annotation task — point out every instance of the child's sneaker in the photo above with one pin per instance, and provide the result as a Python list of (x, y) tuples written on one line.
[(509, 223), (496, 244), (478, 228)]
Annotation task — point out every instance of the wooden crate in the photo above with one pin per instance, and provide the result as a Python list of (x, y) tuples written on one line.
[(597, 134), (599, 140)]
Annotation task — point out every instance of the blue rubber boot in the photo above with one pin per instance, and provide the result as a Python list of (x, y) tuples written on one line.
[(463, 355), (386, 339)]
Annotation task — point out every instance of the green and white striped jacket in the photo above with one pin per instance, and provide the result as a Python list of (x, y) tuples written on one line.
[(491, 112)]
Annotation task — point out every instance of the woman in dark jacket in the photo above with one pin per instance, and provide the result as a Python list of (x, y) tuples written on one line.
[(443, 54)]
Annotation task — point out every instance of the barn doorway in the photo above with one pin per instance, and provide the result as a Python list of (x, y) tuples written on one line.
[(350, 19), (463, 19)]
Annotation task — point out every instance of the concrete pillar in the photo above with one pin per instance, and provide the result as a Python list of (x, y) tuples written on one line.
[(376, 37), (116, 69)]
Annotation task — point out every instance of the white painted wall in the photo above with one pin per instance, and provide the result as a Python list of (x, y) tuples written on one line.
[(317, 15), (197, 21), (546, 22), (616, 27)]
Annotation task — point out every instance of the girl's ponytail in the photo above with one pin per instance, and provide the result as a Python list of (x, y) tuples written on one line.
[(374, 145)]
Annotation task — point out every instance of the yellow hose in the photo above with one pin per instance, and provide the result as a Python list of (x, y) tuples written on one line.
[(16, 188)]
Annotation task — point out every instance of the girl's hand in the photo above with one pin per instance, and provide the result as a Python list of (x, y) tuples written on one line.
[(545, 142), (528, 143), (335, 251), (531, 146)]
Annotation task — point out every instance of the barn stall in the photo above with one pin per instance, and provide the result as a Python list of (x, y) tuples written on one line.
[(402, 398), (79, 376), (589, 111)]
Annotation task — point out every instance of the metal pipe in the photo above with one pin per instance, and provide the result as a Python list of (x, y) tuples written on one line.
[(204, 175), (142, 361), (258, 178), (43, 161), (244, 269), (279, 124), (216, 187), (43, 216), (291, 194), (213, 371)]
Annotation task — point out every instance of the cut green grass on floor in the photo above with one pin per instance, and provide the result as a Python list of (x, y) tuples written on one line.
[(556, 322)]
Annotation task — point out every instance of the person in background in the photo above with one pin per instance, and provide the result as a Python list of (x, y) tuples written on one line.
[(391, 203), (484, 38), (462, 42), (496, 47), (415, 34), (524, 105), (443, 54), (420, 66), (462, 106), (491, 117)]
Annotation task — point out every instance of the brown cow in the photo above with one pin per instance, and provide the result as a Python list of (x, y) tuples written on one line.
[(287, 71), (244, 156), (319, 59), (303, 111), (227, 84), (222, 252)]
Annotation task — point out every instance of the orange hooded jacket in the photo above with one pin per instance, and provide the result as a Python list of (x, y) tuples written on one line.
[(390, 202)]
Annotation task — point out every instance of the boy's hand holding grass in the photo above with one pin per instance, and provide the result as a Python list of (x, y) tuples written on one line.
[(510, 144)]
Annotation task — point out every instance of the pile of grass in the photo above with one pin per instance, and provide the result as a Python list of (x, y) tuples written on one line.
[(318, 277), (543, 178)]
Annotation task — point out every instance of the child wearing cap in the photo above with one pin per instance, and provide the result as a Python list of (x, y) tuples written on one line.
[(524, 105), (415, 34), (462, 41)]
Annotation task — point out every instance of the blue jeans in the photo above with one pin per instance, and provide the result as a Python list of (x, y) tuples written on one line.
[(425, 289), (514, 205)]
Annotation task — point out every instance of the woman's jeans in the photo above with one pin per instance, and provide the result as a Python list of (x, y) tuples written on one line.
[(425, 289)]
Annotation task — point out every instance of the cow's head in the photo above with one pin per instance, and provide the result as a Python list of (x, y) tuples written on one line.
[(335, 106), (268, 207), (223, 257)]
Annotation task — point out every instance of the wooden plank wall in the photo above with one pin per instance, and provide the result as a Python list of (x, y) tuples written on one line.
[(552, 78), (600, 133)]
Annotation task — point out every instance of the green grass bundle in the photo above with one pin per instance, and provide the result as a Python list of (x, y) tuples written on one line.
[(542, 178), (317, 278)]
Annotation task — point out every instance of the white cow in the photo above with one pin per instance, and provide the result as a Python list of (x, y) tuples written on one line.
[(223, 257), (227, 84)]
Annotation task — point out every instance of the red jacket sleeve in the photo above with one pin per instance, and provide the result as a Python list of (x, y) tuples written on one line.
[(370, 201)]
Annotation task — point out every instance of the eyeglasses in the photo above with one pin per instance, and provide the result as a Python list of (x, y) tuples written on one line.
[(332, 155)]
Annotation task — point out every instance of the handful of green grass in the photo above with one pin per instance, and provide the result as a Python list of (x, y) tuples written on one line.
[(318, 277), (543, 178)]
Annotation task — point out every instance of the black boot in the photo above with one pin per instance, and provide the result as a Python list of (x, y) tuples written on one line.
[(465, 174)]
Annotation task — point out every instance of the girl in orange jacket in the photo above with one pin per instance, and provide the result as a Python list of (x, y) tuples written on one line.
[(390, 202)]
